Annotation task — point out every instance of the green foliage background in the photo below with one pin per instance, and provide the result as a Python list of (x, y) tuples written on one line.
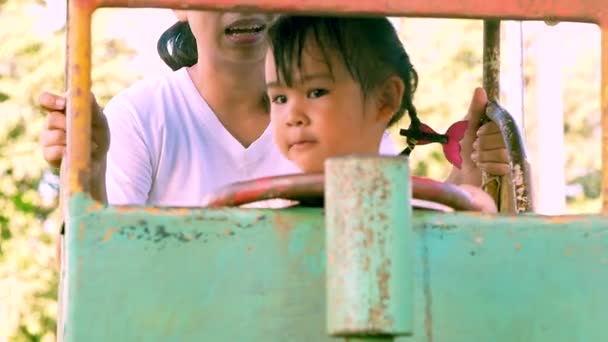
[(446, 53)]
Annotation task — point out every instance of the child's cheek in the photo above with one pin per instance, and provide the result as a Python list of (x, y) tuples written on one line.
[(278, 136)]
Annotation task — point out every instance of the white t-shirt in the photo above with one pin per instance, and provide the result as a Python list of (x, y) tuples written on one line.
[(168, 148)]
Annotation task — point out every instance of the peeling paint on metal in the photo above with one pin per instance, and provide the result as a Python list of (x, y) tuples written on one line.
[(81, 231), (108, 234), (283, 226), (426, 285), (367, 246), (95, 206)]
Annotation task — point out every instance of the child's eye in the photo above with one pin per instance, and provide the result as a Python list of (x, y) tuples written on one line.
[(317, 93), (279, 99)]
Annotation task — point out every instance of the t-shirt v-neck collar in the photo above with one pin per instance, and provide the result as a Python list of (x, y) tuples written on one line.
[(244, 155)]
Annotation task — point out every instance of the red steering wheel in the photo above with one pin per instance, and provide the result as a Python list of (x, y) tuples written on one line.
[(308, 188)]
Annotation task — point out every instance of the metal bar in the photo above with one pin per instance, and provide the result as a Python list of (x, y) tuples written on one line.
[(78, 155), (604, 99), (369, 249), (491, 58), (566, 10), (493, 185)]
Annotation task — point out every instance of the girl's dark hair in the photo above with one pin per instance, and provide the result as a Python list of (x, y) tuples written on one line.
[(177, 46), (369, 47)]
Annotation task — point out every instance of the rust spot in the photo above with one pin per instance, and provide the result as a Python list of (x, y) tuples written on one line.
[(428, 294), (154, 210), (377, 313), (249, 249), (568, 251), (228, 232), (369, 237), (96, 206), (283, 226), (376, 316), (560, 219), (478, 240), (81, 232), (517, 246), (366, 263), (108, 234)]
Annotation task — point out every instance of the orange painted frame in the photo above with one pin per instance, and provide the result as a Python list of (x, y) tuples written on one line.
[(79, 60)]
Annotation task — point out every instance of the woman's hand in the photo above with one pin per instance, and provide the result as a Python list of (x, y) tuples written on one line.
[(53, 139), (482, 148)]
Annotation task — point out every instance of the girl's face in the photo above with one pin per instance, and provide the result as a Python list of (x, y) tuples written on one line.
[(233, 37), (324, 113)]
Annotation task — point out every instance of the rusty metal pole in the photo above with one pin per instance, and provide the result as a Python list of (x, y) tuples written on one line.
[(491, 58), (491, 83), (369, 247), (604, 119)]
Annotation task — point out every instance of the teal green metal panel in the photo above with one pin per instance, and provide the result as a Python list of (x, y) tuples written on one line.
[(217, 275), (506, 279), (259, 275)]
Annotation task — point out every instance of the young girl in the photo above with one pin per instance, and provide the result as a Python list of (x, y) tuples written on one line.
[(335, 84)]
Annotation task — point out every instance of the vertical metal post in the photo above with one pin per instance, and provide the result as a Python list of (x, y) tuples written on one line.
[(491, 83), (491, 58), (604, 120), (75, 166), (78, 110), (369, 249)]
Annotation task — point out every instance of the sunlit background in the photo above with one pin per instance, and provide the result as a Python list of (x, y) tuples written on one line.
[(552, 72)]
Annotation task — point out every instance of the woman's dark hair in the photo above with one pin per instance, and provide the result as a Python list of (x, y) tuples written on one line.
[(369, 47), (177, 46)]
